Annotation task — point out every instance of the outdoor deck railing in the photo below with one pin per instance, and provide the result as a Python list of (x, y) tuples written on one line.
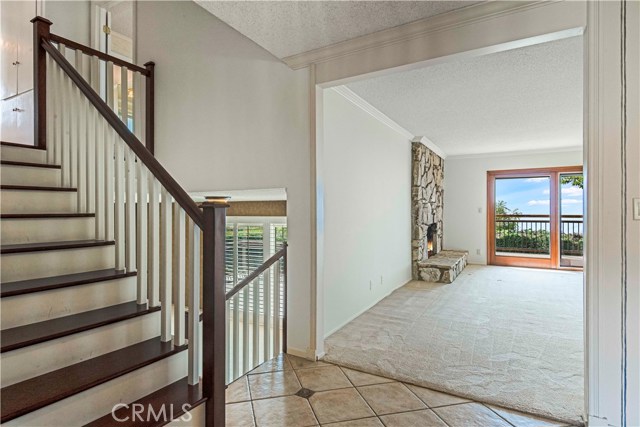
[(530, 234)]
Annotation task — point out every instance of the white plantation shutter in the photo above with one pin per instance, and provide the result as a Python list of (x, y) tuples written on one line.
[(247, 246)]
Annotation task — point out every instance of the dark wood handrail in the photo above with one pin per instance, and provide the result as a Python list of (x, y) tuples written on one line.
[(93, 52), (257, 272), (144, 155)]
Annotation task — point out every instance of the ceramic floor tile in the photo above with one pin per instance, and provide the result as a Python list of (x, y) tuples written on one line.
[(339, 405), (390, 398), (239, 415), (424, 418), (238, 391), (361, 378), (435, 398), (470, 414), (300, 363), (323, 378), (279, 363), (273, 384), (288, 411), (519, 419), (364, 422)]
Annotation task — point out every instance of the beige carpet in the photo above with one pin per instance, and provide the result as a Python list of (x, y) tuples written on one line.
[(506, 336)]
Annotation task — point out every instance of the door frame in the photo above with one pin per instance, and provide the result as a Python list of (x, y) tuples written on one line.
[(553, 262)]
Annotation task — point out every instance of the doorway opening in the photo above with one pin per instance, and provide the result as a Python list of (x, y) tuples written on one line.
[(535, 217)]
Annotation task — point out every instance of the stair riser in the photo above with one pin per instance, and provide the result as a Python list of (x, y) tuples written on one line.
[(47, 305), (34, 265), (17, 154), (22, 201), (195, 418), (39, 230), (94, 403), (26, 175), (28, 362)]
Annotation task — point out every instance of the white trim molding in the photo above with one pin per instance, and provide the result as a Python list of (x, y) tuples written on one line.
[(515, 153), (451, 20), (430, 145), (361, 103)]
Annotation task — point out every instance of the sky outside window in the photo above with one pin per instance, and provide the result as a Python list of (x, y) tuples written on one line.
[(531, 196)]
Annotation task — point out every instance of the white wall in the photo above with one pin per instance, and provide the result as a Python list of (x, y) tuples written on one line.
[(367, 210), (231, 116), (465, 195), (71, 19)]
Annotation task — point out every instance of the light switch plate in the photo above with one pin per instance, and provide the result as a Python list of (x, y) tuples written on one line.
[(636, 209)]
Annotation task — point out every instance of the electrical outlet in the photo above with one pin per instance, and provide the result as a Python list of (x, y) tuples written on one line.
[(477, 251), (636, 209), (370, 284), (380, 279), (479, 210)]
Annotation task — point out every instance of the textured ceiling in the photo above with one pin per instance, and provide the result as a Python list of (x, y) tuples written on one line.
[(523, 99), (286, 28)]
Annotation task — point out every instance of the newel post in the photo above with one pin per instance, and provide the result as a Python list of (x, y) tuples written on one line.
[(41, 31), (214, 308), (149, 110)]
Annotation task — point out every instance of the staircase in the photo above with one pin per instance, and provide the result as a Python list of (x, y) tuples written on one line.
[(101, 274)]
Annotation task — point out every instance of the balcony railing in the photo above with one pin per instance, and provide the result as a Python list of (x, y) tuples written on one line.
[(530, 234)]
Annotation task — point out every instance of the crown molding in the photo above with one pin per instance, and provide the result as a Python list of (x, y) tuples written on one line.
[(516, 153), (455, 19), (370, 109), (430, 145)]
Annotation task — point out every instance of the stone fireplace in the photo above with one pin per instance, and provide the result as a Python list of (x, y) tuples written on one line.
[(427, 204)]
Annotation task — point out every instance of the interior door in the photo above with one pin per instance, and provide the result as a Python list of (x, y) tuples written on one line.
[(525, 217)]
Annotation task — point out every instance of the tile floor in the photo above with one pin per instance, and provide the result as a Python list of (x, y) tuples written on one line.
[(290, 391)]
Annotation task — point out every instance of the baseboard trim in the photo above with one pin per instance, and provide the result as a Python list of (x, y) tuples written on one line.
[(305, 354), (350, 319)]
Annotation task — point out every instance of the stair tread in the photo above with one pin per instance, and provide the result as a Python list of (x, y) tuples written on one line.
[(55, 282), (36, 188), (34, 333), (29, 164), (38, 392), (15, 144), (46, 215), (52, 246), (173, 396)]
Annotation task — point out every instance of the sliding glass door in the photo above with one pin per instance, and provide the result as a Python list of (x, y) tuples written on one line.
[(533, 219)]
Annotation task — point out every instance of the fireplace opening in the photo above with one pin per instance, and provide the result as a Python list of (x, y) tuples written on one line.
[(432, 232)]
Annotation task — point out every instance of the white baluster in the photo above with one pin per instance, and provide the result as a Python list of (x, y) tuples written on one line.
[(90, 137), (141, 232), (110, 91), (130, 209), (124, 95), (153, 246), (95, 74), (235, 367), (245, 330), (276, 308), (177, 269), (50, 107), (165, 265), (111, 139), (98, 165), (256, 321), (227, 325), (119, 205), (81, 140), (193, 282), (266, 306), (57, 85), (65, 89)]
